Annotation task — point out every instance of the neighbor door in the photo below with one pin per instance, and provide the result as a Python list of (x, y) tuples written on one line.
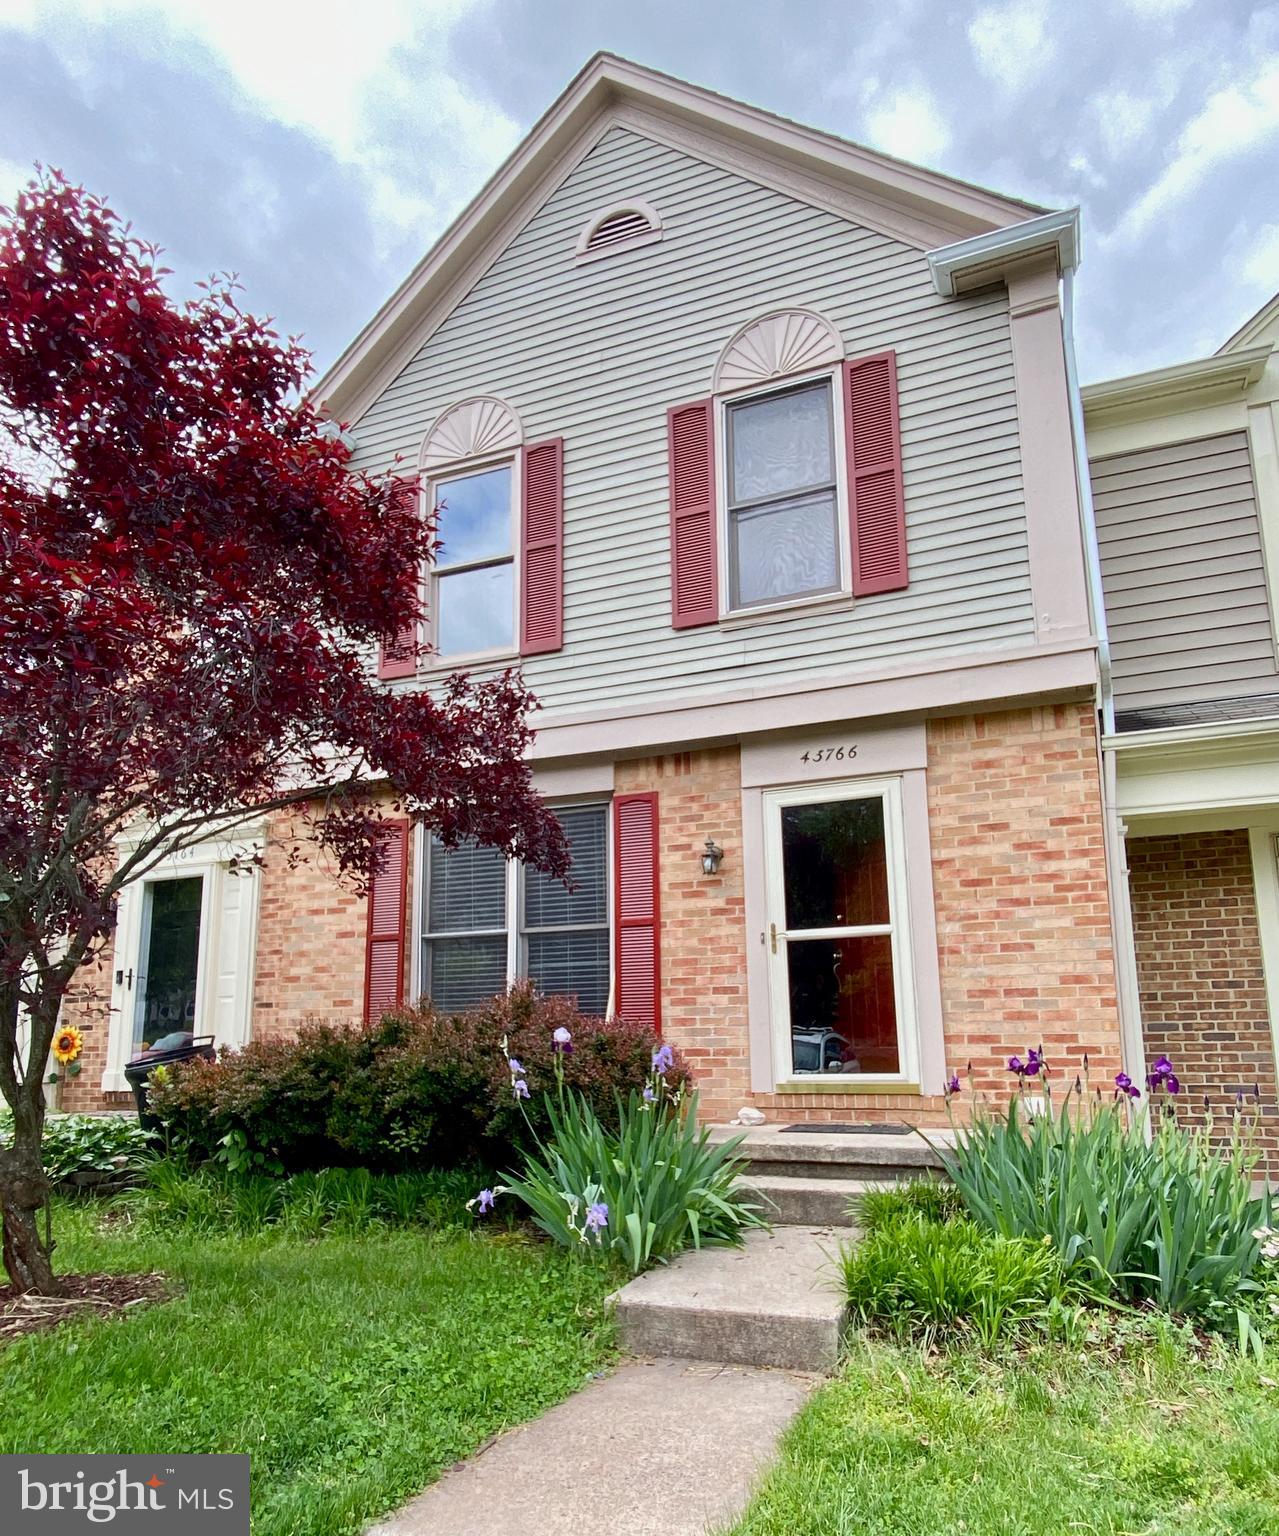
[(837, 937), (166, 988)]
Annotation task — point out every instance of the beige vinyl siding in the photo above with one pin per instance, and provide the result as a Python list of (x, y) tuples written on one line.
[(1183, 572), (596, 353)]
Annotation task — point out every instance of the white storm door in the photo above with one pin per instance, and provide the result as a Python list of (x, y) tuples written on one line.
[(840, 985)]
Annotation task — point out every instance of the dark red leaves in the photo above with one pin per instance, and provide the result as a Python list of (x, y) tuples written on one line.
[(192, 583)]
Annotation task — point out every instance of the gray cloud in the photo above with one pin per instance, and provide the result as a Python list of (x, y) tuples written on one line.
[(1091, 102)]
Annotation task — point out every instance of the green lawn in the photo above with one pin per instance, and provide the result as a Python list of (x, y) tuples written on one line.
[(1049, 1441), (352, 1368)]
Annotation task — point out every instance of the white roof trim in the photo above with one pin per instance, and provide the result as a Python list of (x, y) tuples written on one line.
[(1183, 386), (565, 132), (1057, 232), (1253, 327)]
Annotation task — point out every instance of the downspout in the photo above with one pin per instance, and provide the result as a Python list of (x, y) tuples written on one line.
[(1132, 1040)]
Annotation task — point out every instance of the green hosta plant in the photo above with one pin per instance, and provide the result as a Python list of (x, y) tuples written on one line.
[(1161, 1213), (642, 1193), (112, 1145)]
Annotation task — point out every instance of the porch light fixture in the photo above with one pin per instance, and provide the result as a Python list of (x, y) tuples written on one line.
[(711, 857)]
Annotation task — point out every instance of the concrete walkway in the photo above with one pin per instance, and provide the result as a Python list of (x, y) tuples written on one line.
[(660, 1448)]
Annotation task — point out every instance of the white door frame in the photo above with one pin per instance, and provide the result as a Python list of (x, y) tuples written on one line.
[(774, 800), (210, 861)]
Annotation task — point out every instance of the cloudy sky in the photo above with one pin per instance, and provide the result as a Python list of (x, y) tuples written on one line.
[(317, 147)]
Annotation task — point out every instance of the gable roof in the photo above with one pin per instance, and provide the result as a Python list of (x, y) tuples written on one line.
[(920, 207), (1263, 326)]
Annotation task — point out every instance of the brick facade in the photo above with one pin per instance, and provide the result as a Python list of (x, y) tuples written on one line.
[(1023, 911), (1199, 965), (1022, 919), (1023, 925), (703, 927), (309, 961)]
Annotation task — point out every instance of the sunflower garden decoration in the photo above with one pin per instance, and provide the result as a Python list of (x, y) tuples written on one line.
[(68, 1042)]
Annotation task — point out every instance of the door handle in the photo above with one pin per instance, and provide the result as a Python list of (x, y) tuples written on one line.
[(772, 934), (121, 982)]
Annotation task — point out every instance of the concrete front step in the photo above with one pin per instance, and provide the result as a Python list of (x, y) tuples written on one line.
[(873, 1157), (797, 1202), (774, 1302)]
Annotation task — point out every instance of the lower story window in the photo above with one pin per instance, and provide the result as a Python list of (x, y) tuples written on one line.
[(488, 921)]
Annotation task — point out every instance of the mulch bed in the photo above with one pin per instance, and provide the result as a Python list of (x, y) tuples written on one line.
[(87, 1295)]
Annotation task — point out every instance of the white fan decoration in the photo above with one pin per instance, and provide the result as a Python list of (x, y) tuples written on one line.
[(790, 341), (472, 429)]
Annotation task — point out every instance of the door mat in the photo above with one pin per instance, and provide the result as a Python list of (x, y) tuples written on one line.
[(889, 1129)]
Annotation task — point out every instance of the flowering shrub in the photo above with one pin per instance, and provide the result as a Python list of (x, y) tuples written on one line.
[(641, 1192), (419, 1088), (1166, 1217)]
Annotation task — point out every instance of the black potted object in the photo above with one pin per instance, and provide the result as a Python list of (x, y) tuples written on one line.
[(182, 1045)]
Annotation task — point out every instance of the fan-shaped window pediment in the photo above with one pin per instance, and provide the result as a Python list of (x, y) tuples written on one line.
[(785, 342), (472, 429)]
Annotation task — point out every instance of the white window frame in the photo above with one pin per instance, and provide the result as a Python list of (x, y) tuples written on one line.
[(889, 789), (745, 396), (516, 952), (432, 493)]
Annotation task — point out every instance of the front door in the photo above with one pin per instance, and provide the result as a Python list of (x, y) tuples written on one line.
[(841, 995), (168, 959)]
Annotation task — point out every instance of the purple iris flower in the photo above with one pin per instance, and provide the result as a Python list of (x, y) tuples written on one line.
[(1017, 1066), (663, 1060), (516, 1069), (519, 1088), (485, 1200), (953, 1085), (1172, 1083), (561, 1040), (1124, 1084), (1034, 1062), (1162, 1068), (649, 1095), (596, 1216)]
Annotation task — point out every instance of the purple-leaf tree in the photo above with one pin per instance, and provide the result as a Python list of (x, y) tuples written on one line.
[(192, 581)]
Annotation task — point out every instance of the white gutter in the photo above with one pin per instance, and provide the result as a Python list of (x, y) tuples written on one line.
[(998, 246), (1092, 550), (1128, 995)]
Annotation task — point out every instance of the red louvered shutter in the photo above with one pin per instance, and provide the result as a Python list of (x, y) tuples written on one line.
[(397, 656), (542, 548), (636, 909), (876, 505), (384, 952), (690, 437)]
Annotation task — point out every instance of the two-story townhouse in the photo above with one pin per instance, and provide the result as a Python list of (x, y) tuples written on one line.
[(1185, 482), (754, 450)]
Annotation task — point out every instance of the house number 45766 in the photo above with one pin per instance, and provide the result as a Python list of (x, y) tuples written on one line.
[(830, 755)]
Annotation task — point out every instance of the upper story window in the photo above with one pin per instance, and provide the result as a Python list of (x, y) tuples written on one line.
[(472, 465), (786, 482), (473, 580), (782, 498)]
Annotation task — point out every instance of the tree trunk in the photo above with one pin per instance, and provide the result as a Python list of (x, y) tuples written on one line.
[(23, 1192), (24, 1188)]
